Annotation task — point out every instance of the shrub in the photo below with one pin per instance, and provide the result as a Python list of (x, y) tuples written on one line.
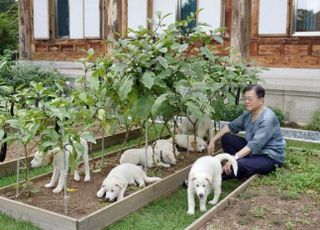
[(9, 34), (16, 75), (315, 121), (231, 112), (280, 115)]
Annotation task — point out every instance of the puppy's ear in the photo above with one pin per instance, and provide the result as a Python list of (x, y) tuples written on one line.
[(194, 144), (48, 156), (209, 180), (118, 185)]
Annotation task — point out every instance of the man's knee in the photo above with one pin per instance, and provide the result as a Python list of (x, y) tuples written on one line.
[(226, 139)]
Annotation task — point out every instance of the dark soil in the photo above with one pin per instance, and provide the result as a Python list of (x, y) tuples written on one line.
[(82, 196)]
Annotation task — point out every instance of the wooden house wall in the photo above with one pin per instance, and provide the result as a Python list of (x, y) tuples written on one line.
[(270, 51), (285, 50)]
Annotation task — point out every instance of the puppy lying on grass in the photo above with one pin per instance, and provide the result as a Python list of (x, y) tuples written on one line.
[(205, 175), (117, 181), (161, 156), (56, 156)]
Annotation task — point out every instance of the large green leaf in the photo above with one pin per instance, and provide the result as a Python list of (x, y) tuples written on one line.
[(89, 137), (148, 79), (141, 109), (158, 102), (125, 88)]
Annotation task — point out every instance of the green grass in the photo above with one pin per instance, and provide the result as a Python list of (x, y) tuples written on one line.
[(168, 212), (8, 223), (300, 174)]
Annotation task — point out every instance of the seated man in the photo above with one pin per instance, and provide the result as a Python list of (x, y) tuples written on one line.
[(263, 148)]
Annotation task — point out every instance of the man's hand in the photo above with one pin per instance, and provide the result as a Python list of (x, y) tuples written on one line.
[(227, 168), (211, 147)]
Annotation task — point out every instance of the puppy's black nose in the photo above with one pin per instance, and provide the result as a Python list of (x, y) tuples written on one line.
[(201, 195)]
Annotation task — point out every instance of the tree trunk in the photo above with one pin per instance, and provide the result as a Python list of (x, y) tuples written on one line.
[(24, 29), (240, 29), (116, 9)]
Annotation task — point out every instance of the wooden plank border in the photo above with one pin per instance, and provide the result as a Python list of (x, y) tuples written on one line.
[(43, 218), (9, 167), (209, 215), (100, 218), (131, 203)]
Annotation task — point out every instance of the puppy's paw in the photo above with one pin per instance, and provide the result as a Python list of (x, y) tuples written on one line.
[(142, 185), (166, 165), (213, 202), (57, 190), (190, 212), (203, 209), (76, 177), (49, 185), (87, 178)]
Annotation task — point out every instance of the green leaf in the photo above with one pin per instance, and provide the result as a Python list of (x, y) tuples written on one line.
[(162, 61), (142, 107), (194, 109), (89, 137), (158, 102), (181, 48), (125, 88), (148, 79), (14, 123), (208, 53), (218, 39)]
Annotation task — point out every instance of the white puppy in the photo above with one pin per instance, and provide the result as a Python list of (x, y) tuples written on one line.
[(204, 126), (56, 156), (188, 142), (163, 155), (205, 175), (115, 184)]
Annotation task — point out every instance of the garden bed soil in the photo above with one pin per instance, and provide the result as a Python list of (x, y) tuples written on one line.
[(264, 207), (82, 200)]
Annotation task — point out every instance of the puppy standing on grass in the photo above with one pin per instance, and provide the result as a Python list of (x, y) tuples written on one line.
[(118, 179), (56, 156), (205, 175)]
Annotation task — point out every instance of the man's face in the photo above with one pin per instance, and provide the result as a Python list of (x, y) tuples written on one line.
[(251, 101)]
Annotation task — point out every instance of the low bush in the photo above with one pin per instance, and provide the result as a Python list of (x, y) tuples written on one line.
[(280, 115), (19, 75), (231, 112), (315, 121)]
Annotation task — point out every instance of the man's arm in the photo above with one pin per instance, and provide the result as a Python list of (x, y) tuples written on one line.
[(223, 131)]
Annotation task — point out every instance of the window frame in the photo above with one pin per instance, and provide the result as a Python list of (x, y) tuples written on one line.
[(57, 23), (101, 22), (178, 12), (294, 32)]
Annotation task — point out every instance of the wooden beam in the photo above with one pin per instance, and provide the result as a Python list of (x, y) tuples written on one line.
[(114, 16), (24, 29), (240, 30)]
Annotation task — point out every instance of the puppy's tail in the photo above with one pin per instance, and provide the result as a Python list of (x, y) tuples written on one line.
[(149, 179), (226, 156)]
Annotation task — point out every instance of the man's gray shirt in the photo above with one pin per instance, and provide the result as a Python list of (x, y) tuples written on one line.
[(263, 136)]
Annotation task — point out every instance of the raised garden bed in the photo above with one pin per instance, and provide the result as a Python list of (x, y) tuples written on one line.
[(46, 209)]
